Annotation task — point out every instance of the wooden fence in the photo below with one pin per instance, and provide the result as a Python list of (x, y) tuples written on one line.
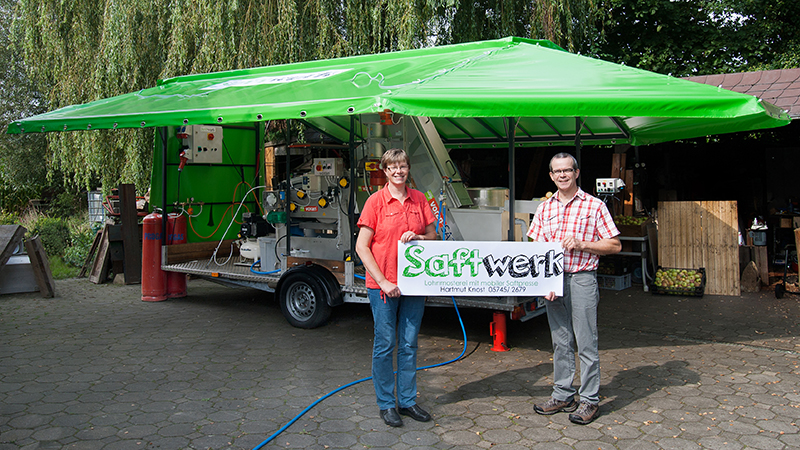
[(702, 234)]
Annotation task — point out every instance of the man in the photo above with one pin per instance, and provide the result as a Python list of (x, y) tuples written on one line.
[(586, 230)]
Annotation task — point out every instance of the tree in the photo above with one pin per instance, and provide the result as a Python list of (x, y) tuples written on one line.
[(23, 168), (567, 23), (678, 38), (696, 37), (767, 31)]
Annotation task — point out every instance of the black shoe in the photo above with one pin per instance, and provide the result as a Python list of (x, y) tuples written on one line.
[(391, 418), (416, 413)]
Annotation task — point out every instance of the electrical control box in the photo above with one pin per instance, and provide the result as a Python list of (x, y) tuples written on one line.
[(204, 143), (610, 185), (328, 167)]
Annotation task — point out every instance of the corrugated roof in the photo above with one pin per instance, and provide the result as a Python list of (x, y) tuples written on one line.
[(779, 87)]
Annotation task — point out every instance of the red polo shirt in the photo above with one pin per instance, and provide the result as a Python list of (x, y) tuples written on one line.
[(390, 219)]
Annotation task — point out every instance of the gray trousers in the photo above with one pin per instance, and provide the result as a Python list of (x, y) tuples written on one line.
[(573, 320)]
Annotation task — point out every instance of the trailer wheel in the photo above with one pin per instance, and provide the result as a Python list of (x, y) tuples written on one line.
[(303, 301)]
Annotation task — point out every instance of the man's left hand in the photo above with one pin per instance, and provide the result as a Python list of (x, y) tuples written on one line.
[(572, 244)]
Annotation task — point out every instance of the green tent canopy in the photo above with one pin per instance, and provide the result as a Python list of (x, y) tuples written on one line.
[(467, 89)]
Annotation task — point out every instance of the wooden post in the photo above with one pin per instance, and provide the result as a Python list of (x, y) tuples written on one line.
[(132, 249), (618, 165), (762, 262), (618, 171), (532, 177), (90, 256), (41, 267), (269, 166), (796, 241), (102, 261), (627, 196)]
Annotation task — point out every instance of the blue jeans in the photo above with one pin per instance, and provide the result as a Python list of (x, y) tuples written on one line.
[(573, 320), (397, 320)]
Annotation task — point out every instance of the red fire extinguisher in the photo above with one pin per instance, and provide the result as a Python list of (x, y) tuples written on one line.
[(176, 234), (154, 280)]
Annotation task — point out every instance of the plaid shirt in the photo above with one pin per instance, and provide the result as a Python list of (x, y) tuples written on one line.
[(585, 217)]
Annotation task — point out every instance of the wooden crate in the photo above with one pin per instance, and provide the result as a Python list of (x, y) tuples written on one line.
[(634, 230), (702, 234)]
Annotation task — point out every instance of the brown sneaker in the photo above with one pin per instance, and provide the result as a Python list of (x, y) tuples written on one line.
[(553, 406), (585, 414)]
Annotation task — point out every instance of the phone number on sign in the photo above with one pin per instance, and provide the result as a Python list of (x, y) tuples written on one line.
[(509, 287), (506, 289)]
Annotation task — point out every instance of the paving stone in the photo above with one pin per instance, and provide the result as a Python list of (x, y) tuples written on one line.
[(719, 443), (222, 369), (583, 433), (96, 433), (493, 421), (496, 436)]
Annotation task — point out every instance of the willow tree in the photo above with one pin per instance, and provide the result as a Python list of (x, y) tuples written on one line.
[(569, 23), (84, 50), (18, 98)]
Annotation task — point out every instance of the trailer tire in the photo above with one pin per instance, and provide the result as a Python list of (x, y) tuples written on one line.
[(303, 300)]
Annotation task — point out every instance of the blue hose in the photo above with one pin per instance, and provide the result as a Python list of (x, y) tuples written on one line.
[(353, 383), (261, 273)]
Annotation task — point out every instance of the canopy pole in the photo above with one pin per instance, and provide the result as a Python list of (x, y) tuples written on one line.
[(163, 133), (637, 180), (511, 128), (351, 207), (288, 191), (578, 128)]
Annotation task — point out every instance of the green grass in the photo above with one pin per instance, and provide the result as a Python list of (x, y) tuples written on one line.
[(60, 269)]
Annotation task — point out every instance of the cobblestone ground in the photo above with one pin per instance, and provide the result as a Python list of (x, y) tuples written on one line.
[(96, 368)]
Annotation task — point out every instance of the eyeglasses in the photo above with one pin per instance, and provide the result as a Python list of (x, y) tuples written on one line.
[(560, 171), (394, 169)]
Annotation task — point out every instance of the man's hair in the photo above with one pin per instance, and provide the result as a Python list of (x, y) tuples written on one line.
[(394, 155), (563, 155)]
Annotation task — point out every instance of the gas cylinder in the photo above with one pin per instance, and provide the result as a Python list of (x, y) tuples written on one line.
[(176, 234), (377, 177), (154, 280)]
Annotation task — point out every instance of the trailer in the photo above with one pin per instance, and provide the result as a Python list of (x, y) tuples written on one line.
[(300, 243), (295, 233)]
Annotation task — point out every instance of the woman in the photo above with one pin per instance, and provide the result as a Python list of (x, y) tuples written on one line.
[(394, 213)]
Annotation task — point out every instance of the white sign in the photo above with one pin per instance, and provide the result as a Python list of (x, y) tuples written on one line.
[(486, 269), (258, 81)]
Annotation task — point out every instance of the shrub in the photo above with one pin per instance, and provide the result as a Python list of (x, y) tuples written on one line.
[(7, 218), (53, 234), (81, 241), (65, 204)]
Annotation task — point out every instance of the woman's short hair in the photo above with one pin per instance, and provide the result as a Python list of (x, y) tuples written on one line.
[(393, 156)]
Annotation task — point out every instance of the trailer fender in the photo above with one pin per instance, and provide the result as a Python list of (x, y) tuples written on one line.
[(333, 292)]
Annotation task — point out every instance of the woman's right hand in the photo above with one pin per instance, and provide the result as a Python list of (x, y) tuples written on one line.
[(389, 288)]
